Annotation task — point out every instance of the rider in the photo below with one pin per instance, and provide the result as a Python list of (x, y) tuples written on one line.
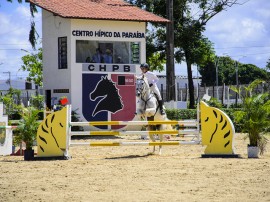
[(152, 80)]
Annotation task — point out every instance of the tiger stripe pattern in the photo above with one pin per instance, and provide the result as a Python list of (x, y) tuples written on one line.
[(217, 130), (51, 134)]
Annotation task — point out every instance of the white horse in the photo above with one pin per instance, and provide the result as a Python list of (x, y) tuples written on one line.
[(148, 108)]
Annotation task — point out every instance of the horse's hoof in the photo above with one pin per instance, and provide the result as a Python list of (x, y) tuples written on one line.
[(162, 112), (167, 137)]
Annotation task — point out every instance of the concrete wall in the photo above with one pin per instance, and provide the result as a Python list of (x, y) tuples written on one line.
[(52, 28)]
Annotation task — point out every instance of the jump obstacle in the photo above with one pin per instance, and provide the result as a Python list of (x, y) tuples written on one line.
[(217, 133), (54, 133), (5, 134)]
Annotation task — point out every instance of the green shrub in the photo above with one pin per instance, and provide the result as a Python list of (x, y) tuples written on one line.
[(75, 118), (183, 114), (180, 114)]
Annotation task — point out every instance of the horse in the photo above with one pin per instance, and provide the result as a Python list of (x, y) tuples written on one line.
[(148, 108), (110, 98)]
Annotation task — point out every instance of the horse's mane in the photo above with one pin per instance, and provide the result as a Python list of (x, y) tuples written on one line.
[(105, 78), (112, 85)]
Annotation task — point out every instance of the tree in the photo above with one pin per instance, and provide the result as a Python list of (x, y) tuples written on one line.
[(207, 73), (254, 114), (190, 44), (10, 105), (247, 73), (154, 56), (268, 64), (32, 63), (33, 35), (226, 71)]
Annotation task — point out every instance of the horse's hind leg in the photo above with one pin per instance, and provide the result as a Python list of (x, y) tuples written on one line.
[(151, 128)]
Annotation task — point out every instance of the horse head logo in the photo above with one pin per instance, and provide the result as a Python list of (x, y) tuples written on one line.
[(110, 99)]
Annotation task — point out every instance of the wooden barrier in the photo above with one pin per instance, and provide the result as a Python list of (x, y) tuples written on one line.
[(54, 134)]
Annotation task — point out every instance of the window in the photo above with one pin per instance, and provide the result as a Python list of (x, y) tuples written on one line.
[(107, 52), (62, 53)]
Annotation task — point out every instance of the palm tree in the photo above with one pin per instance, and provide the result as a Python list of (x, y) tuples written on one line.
[(254, 115), (33, 35)]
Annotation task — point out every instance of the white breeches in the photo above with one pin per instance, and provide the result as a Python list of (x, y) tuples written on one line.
[(155, 89)]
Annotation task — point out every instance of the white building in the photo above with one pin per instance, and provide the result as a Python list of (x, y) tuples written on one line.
[(72, 31)]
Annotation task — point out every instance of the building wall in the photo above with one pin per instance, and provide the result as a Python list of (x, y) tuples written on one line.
[(71, 78), (52, 28), (95, 26)]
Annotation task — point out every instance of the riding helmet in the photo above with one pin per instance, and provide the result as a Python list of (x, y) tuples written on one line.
[(144, 65)]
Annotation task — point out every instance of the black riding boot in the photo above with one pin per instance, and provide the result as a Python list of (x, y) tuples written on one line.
[(162, 111)]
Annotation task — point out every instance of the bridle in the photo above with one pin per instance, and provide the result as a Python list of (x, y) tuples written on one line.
[(142, 89)]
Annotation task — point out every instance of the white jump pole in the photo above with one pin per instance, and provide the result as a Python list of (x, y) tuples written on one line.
[(110, 144)]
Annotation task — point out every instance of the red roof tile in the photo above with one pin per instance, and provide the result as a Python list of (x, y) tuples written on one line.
[(98, 9)]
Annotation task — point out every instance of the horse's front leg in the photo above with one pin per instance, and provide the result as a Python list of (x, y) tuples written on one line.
[(152, 138), (160, 139)]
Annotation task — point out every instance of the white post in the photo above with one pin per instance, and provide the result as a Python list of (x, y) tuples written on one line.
[(68, 130), (216, 64), (224, 93), (197, 90), (228, 97), (176, 91), (217, 93), (198, 121)]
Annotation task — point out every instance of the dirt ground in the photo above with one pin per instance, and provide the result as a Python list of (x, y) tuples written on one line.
[(132, 174)]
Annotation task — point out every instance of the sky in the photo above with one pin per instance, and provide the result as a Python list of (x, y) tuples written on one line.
[(241, 32), (14, 31)]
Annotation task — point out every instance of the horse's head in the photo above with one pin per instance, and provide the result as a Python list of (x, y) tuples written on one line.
[(141, 86), (106, 96), (101, 88), (147, 102)]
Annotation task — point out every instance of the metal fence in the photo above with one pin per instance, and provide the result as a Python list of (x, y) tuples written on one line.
[(223, 93), (25, 96)]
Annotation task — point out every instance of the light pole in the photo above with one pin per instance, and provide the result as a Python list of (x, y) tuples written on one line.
[(216, 65), (170, 69), (9, 79), (26, 51), (237, 77)]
